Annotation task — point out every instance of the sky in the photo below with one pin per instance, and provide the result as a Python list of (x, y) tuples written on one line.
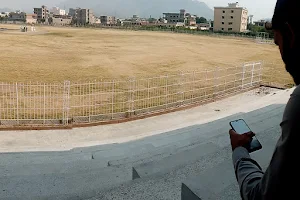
[(259, 8)]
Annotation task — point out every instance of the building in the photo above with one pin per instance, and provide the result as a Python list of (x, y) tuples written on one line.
[(250, 19), (108, 20), (57, 11), (134, 21), (189, 20), (82, 16), (174, 17), (73, 12), (204, 26), (60, 20), (4, 14), (42, 14), (97, 21), (260, 23), (181, 17), (232, 18), (31, 18), (17, 16), (85, 16)]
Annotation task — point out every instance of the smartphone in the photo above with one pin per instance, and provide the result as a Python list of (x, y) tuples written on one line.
[(241, 127)]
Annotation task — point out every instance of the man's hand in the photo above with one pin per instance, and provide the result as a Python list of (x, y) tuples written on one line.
[(238, 140)]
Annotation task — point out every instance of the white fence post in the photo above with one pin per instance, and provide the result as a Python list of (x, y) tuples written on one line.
[(131, 97), (17, 105), (260, 72), (167, 100), (243, 75), (44, 115), (253, 67), (89, 104), (236, 72), (225, 81), (66, 103), (112, 99), (133, 91), (181, 88), (205, 84), (194, 87), (215, 82), (149, 98)]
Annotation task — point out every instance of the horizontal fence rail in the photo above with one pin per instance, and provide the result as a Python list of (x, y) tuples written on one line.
[(261, 40), (35, 104)]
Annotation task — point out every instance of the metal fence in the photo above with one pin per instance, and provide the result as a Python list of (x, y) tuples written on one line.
[(261, 40), (103, 101)]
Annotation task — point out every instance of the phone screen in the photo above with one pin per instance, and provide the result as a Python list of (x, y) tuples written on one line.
[(241, 127)]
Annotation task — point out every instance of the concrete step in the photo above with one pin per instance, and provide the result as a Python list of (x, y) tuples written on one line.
[(210, 128), (173, 161), (53, 166), (214, 183), (63, 185), (33, 158), (207, 185), (124, 150), (221, 140), (220, 137), (177, 140)]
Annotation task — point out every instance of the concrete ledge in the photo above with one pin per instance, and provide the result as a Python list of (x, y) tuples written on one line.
[(214, 182), (210, 183), (173, 161), (135, 174), (188, 194)]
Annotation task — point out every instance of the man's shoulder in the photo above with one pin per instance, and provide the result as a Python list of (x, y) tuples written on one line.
[(292, 110), (296, 91)]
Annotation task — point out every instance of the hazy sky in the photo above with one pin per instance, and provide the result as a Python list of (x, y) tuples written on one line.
[(258, 8)]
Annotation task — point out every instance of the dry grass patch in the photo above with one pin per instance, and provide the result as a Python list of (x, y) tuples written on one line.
[(78, 54)]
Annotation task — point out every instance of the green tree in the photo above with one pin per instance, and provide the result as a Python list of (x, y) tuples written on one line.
[(152, 20), (201, 20), (256, 29), (250, 27)]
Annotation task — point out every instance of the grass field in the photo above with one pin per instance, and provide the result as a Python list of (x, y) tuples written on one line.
[(57, 54)]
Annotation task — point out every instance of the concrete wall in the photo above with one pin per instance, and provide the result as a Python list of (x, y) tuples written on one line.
[(61, 21), (31, 19)]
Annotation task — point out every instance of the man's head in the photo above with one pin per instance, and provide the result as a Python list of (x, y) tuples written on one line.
[(286, 35)]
